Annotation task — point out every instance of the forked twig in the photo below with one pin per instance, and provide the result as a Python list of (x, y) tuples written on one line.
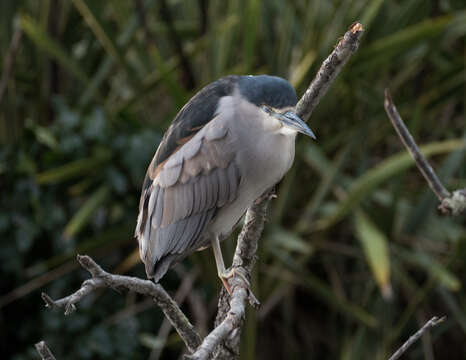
[(103, 279)]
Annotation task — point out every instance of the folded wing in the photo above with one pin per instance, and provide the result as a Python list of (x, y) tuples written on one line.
[(182, 195)]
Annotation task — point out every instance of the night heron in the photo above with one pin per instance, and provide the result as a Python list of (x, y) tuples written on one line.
[(229, 144)]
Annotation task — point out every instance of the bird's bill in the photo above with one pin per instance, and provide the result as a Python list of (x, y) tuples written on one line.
[(291, 120)]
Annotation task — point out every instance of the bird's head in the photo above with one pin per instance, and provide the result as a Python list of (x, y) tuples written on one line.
[(276, 98)]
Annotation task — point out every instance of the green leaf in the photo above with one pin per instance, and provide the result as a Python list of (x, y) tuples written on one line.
[(444, 276), (288, 240), (252, 22), (51, 47), (331, 173), (82, 217), (104, 70), (309, 281), (375, 246), (399, 41), (98, 30), (72, 169), (371, 11), (45, 136), (300, 71), (394, 165)]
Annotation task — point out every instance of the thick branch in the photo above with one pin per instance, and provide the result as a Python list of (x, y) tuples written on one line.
[(226, 336), (103, 279), (44, 351), (413, 338), (232, 310), (450, 203)]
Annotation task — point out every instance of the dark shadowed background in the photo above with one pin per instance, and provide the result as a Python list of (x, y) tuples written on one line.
[(355, 257)]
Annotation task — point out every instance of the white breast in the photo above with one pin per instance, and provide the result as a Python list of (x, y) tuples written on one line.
[(264, 153)]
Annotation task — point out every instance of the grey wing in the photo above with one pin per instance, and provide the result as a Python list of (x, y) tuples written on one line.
[(186, 190)]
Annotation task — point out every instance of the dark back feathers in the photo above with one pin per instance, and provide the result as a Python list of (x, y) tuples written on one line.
[(194, 115)]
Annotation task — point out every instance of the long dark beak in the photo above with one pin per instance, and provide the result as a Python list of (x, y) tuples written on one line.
[(291, 120)]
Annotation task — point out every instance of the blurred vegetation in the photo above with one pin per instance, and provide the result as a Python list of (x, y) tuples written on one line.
[(355, 257)]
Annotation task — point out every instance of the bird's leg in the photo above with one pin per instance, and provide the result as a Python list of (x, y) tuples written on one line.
[(221, 271), (223, 274)]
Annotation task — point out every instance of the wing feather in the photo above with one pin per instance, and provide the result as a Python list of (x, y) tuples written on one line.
[(186, 191), (152, 200), (209, 182), (233, 181), (157, 213), (223, 187)]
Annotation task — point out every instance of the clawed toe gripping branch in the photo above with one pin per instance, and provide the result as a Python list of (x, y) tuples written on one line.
[(223, 341)]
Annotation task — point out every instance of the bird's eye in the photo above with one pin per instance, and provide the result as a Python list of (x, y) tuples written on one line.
[(266, 109)]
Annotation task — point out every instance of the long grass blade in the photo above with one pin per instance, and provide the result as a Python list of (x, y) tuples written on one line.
[(375, 246), (83, 216), (394, 165), (44, 42)]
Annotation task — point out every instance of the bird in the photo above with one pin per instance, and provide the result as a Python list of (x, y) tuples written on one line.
[(228, 144)]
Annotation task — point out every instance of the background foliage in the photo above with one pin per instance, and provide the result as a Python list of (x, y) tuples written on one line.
[(354, 257)]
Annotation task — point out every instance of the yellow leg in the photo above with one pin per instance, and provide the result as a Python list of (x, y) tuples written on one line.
[(223, 274)]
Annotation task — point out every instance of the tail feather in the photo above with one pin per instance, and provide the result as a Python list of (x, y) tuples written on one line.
[(158, 270)]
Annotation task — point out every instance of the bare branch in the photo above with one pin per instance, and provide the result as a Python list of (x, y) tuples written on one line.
[(232, 310), (103, 279), (223, 341), (180, 296), (44, 351), (450, 203), (328, 71), (421, 162), (430, 324)]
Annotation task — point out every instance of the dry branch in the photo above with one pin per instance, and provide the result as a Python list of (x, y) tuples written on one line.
[(181, 294), (232, 310), (450, 203), (413, 338), (103, 279), (44, 351), (421, 162)]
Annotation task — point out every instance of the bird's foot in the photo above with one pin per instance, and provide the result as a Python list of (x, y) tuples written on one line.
[(228, 274)]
